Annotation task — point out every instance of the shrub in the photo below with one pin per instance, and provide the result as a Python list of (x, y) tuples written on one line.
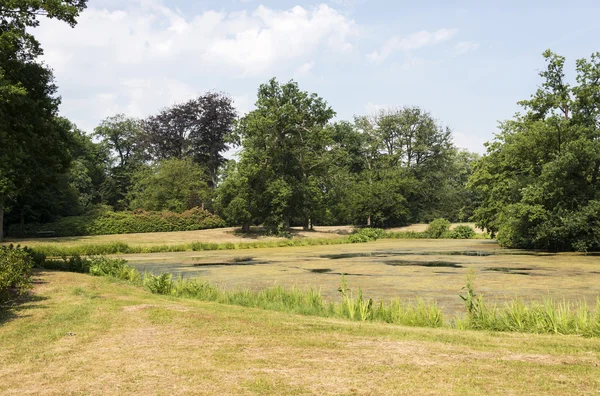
[(366, 235), (102, 222), (461, 232), (15, 272), (117, 268), (437, 228)]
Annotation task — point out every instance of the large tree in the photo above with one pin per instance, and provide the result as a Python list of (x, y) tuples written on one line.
[(120, 135), (32, 141), (409, 144), (538, 182), (198, 128), (283, 162), (175, 185)]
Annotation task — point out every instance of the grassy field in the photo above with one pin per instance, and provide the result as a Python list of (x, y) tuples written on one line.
[(387, 269), (90, 335), (218, 235)]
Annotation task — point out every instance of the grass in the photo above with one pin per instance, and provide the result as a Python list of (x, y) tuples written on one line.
[(89, 249), (97, 335), (547, 317)]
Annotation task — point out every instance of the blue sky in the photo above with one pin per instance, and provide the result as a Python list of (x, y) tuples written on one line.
[(466, 63)]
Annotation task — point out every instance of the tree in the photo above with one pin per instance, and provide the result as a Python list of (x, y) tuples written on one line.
[(30, 138), (175, 185), (283, 161), (538, 181), (198, 129), (407, 143), (120, 135)]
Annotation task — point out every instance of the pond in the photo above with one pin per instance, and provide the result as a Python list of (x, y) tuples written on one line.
[(387, 269)]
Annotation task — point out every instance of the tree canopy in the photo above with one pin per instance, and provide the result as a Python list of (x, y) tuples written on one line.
[(538, 182)]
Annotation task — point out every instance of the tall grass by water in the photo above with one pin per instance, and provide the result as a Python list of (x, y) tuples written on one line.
[(546, 316)]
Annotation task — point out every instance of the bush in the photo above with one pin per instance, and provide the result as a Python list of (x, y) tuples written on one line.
[(117, 268), (437, 228), (461, 232), (366, 235), (107, 222), (15, 272)]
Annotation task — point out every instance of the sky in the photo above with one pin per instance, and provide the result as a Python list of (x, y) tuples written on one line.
[(466, 62)]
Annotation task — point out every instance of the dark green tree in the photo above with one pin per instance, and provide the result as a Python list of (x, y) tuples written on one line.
[(538, 182), (32, 141), (283, 162), (175, 185)]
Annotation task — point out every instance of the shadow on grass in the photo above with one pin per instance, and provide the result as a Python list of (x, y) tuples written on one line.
[(19, 307)]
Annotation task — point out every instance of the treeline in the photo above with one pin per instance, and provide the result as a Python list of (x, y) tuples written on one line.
[(295, 167)]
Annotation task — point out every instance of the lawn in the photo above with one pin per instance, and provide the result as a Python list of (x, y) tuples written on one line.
[(82, 334)]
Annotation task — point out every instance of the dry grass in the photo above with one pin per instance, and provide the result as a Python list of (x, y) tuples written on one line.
[(125, 341), (218, 235)]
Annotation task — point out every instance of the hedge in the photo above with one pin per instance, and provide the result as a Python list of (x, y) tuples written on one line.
[(106, 223), (15, 272)]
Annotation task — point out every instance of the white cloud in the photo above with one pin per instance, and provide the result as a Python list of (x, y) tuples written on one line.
[(147, 55), (411, 42), (305, 68), (462, 47)]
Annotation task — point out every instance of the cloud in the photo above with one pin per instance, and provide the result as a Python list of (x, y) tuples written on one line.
[(410, 42), (148, 55), (462, 47), (305, 68)]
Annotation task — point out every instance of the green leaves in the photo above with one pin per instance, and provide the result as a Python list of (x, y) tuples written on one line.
[(540, 176)]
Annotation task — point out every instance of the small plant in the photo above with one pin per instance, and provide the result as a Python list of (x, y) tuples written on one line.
[(159, 284), (437, 228), (366, 235)]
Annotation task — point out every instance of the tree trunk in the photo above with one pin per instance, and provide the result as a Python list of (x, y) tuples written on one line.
[(22, 223), (369, 221), (1, 221), (286, 221), (245, 227)]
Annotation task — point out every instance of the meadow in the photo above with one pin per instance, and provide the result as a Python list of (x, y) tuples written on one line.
[(299, 320), (96, 335)]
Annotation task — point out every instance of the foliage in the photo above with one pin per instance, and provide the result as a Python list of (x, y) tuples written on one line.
[(366, 235), (120, 135), (33, 141), (174, 185), (198, 129), (283, 161), (15, 272), (461, 232), (538, 182), (437, 228), (548, 316), (105, 223)]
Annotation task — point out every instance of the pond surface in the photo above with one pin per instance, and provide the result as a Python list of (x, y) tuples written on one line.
[(388, 269)]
